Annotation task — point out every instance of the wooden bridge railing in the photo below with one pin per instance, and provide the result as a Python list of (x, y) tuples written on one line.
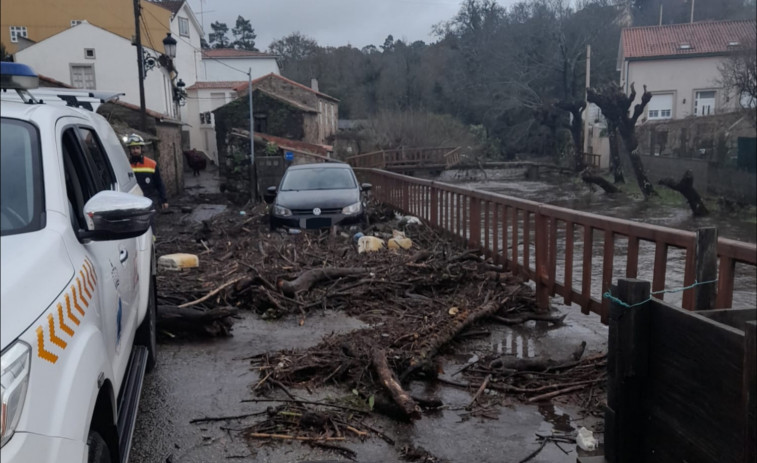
[(523, 236), (406, 157)]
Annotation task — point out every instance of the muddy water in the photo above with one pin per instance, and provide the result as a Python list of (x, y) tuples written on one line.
[(566, 192)]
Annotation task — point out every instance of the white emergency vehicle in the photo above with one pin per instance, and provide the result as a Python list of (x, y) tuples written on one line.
[(78, 289)]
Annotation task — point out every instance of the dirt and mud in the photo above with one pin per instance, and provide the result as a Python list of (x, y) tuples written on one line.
[(296, 347)]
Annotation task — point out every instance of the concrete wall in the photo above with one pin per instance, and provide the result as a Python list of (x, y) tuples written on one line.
[(683, 78), (714, 138), (708, 178)]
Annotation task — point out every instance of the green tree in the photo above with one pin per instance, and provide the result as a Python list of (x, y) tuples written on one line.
[(217, 38), (4, 55), (244, 35)]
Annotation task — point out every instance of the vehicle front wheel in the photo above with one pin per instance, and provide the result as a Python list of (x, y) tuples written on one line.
[(147, 333), (98, 449)]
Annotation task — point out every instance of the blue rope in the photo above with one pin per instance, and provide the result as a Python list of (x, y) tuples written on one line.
[(614, 299)]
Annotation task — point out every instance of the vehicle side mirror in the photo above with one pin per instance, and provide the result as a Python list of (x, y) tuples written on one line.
[(114, 215), (270, 194), (366, 187)]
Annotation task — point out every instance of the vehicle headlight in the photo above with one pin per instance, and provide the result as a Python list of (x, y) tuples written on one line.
[(281, 211), (14, 378), (351, 209)]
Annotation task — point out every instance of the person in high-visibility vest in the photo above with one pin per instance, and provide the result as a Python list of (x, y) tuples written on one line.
[(146, 171)]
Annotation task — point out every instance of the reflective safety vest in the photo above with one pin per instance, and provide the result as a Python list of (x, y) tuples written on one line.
[(148, 177)]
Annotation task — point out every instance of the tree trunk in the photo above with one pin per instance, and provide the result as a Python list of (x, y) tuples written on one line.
[(389, 381), (311, 277), (616, 166), (685, 186), (615, 106), (214, 322), (588, 177)]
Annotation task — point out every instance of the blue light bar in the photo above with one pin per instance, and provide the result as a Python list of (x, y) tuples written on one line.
[(17, 76)]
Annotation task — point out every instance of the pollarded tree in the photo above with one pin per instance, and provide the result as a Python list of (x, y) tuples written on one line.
[(615, 106)]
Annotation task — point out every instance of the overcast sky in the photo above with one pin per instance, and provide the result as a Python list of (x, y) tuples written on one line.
[(331, 22)]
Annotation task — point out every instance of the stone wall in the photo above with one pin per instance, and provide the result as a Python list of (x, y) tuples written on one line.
[(169, 157)]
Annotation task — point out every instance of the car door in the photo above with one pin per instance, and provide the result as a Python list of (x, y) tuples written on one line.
[(112, 264)]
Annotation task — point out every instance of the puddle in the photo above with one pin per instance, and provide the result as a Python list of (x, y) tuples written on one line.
[(206, 211)]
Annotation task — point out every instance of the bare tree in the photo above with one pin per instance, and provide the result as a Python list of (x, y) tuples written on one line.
[(615, 106), (739, 75)]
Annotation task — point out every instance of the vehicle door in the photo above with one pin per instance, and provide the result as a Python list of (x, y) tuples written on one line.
[(112, 263)]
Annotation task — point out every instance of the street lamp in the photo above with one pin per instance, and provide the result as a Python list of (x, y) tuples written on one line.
[(169, 45)]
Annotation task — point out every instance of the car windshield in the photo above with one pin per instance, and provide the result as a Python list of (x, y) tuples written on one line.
[(323, 178), (20, 178)]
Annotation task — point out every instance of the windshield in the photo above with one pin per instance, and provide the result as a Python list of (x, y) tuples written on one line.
[(323, 178), (20, 178)]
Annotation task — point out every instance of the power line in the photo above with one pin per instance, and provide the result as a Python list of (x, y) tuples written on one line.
[(199, 49)]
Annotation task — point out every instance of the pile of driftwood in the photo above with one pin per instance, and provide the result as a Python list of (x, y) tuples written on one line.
[(415, 303)]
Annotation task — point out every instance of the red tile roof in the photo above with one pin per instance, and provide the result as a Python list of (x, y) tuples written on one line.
[(230, 84), (697, 38), (52, 82), (233, 53), (241, 88), (296, 145), (172, 6)]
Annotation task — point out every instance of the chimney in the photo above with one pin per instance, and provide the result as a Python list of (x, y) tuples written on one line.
[(314, 84)]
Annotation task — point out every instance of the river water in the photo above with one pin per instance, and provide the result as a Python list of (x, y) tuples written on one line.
[(570, 193)]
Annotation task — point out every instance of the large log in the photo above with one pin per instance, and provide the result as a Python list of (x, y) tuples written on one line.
[(388, 380), (213, 322), (446, 333), (307, 279)]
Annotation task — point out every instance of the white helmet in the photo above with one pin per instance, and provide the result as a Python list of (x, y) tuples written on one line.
[(135, 140)]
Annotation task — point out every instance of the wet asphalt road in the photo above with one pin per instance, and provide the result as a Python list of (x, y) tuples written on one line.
[(211, 378)]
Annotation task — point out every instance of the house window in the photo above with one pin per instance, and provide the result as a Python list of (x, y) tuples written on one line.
[(16, 32), (76, 22), (261, 123), (89, 53), (704, 103), (660, 106), (83, 76), (206, 118), (183, 27)]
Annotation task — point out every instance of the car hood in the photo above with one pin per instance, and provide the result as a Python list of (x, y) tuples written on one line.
[(35, 269), (324, 199)]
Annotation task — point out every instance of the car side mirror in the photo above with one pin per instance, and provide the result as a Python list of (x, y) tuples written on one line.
[(366, 187), (270, 194), (114, 215)]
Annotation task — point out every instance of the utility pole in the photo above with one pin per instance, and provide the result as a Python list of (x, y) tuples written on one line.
[(691, 20), (253, 182), (141, 67), (586, 98)]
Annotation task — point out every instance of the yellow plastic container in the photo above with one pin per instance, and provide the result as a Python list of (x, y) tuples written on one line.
[(178, 261)]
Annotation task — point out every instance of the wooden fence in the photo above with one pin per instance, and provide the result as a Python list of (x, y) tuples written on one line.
[(407, 158), (523, 236), (681, 385)]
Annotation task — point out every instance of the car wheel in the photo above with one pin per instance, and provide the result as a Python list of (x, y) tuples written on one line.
[(98, 449), (147, 333)]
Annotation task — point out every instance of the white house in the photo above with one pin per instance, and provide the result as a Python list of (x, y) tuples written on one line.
[(87, 56), (219, 72), (227, 64), (187, 32), (679, 65)]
